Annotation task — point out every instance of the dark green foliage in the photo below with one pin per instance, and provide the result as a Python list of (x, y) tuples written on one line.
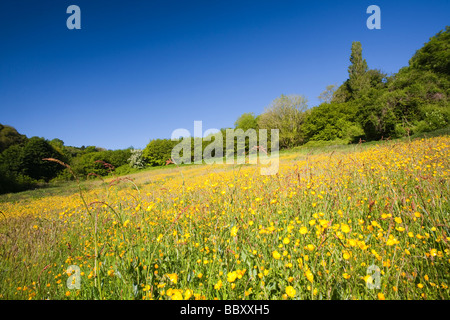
[(11, 171), (330, 121), (21, 166), (98, 162), (418, 95), (158, 151), (9, 136), (11, 160), (357, 71), (434, 55), (34, 151)]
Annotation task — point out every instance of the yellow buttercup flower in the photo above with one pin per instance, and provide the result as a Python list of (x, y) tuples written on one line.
[(290, 291), (234, 231), (309, 276), (173, 277), (176, 295), (345, 228), (218, 285), (276, 255), (346, 254), (232, 276), (188, 294)]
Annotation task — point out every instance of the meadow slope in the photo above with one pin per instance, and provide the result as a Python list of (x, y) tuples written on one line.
[(322, 228)]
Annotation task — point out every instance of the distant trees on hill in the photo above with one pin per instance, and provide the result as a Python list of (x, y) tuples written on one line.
[(22, 167)]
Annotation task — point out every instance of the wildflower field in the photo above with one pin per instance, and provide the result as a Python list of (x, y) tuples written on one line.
[(319, 229)]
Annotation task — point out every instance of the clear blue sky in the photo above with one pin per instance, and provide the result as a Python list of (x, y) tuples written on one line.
[(137, 70)]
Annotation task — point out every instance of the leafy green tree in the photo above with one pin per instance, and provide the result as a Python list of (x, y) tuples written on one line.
[(158, 151), (11, 160), (9, 136), (117, 157), (34, 151), (247, 121), (342, 94), (99, 163), (416, 99), (357, 71), (435, 54), (287, 114), (332, 121)]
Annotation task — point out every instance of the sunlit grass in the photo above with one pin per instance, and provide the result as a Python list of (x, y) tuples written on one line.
[(227, 232)]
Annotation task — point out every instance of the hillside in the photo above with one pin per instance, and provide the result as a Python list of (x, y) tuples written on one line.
[(205, 232)]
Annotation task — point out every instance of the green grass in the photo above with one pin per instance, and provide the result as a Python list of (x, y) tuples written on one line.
[(70, 187), (132, 243)]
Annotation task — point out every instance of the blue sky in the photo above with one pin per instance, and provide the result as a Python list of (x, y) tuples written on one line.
[(137, 70)]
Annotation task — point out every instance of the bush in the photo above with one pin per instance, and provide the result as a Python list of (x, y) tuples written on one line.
[(94, 162), (33, 166), (400, 131), (64, 175), (435, 117), (136, 159), (15, 182), (158, 151), (125, 169), (331, 121)]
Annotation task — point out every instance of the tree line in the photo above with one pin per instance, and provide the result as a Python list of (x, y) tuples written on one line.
[(22, 166), (369, 105)]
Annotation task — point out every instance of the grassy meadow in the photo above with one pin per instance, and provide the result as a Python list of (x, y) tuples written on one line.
[(319, 229)]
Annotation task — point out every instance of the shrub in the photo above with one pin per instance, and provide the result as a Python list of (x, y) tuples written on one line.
[(158, 151), (136, 159)]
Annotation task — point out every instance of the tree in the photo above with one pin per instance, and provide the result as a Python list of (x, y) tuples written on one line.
[(246, 121), (287, 114), (136, 160), (94, 162), (342, 94), (158, 151), (358, 80), (434, 55), (332, 121), (33, 166), (9, 136), (327, 95)]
